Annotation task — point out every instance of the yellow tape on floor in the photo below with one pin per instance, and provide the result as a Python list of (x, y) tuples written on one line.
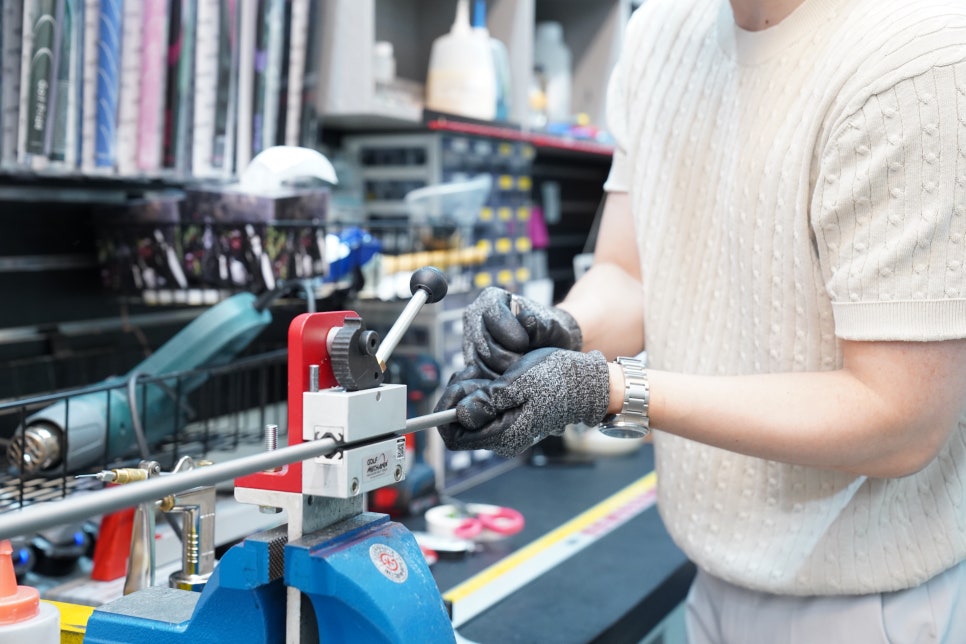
[(610, 513)]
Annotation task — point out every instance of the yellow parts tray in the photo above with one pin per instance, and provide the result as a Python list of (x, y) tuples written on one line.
[(73, 621)]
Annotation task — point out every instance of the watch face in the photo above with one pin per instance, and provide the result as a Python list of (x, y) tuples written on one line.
[(623, 430)]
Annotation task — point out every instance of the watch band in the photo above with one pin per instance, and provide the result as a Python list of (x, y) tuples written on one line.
[(632, 421)]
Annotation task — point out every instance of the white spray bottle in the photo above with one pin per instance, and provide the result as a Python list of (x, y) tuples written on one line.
[(462, 78)]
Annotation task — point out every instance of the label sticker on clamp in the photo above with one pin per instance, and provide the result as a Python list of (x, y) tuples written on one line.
[(376, 466), (389, 562)]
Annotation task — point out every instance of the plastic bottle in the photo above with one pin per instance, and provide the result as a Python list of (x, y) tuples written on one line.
[(23, 617), (501, 61), (552, 55), (383, 70), (462, 78), (383, 63), (504, 87), (537, 100)]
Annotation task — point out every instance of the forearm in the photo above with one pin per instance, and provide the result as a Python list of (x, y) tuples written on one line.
[(886, 413), (608, 305), (827, 420)]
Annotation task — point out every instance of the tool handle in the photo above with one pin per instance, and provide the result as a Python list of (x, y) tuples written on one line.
[(428, 284)]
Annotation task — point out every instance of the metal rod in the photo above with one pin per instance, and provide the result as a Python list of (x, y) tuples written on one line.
[(41, 516), (428, 421), (395, 334)]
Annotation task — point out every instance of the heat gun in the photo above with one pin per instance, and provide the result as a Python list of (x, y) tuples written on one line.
[(81, 430)]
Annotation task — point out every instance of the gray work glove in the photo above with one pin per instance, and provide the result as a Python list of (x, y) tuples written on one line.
[(494, 337), (545, 390)]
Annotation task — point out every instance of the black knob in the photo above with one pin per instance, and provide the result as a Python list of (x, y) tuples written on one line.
[(431, 280), (352, 354), (368, 343)]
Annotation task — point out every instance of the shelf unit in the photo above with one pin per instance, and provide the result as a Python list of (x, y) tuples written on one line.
[(348, 29)]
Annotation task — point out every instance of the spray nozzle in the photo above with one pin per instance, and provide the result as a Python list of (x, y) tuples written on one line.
[(17, 603), (461, 24)]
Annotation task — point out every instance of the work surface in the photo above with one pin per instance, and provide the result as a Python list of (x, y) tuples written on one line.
[(593, 563)]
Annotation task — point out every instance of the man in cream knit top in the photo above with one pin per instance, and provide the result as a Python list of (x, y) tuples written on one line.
[(792, 187), (794, 172)]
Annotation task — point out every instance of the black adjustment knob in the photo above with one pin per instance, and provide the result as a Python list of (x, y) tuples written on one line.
[(368, 342), (429, 279), (352, 354)]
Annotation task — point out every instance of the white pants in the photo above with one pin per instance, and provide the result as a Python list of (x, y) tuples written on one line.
[(721, 613)]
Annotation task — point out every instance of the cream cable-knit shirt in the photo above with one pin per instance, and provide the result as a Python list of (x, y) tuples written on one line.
[(791, 186)]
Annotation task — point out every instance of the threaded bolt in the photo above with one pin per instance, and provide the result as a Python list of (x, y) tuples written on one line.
[(271, 438), (271, 442)]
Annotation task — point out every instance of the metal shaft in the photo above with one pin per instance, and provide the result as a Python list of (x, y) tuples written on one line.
[(419, 423), (398, 330), (41, 516)]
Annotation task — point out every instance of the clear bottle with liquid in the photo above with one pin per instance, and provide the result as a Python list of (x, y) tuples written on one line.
[(537, 100), (552, 55)]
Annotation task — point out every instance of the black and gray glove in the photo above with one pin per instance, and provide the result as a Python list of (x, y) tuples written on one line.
[(542, 393), (498, 328)]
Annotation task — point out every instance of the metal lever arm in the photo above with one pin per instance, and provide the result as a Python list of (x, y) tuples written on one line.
[(357, 362), (428, 285)]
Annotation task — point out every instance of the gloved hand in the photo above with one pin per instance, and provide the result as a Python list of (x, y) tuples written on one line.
[(494, 337), (543, 392)]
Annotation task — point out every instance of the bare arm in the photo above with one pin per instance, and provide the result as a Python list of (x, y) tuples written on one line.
[(886, 413), (607, 301)]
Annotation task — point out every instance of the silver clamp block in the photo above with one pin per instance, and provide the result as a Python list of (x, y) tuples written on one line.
[(353, 417)]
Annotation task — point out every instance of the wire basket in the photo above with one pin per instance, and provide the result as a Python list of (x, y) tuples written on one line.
[(203, 412)]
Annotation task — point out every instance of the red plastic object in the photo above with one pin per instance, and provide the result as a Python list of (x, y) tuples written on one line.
[(306, 346), (430, 555), (17, 603), (113, 546), (384, 500)]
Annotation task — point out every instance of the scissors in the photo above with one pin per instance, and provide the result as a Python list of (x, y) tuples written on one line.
[(499, 520)]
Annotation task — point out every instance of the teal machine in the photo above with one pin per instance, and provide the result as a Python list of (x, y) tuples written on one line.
[(99, 426)]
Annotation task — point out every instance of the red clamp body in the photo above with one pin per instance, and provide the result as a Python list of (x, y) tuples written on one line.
[(307, 338)]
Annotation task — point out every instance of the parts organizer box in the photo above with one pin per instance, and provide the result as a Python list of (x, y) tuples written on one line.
[(394, 165)]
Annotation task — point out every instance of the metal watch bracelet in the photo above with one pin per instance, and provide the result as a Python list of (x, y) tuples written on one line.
[(632, 421)]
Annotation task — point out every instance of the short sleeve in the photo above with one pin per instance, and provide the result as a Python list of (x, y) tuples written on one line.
[(889, 212), (618, 180)]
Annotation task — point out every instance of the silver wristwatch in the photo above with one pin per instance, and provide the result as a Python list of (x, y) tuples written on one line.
[(632, 421)]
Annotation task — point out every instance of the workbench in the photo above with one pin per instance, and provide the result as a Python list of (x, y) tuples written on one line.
[(618, 574)]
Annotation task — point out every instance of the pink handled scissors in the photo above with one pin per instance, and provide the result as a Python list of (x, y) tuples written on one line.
[(502, 521)]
